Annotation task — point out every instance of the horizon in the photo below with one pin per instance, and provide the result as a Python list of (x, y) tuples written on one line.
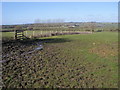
[(27, 12), (56, 23)]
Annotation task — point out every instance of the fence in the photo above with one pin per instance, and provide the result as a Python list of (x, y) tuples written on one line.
[(43, 32), (37, 33)]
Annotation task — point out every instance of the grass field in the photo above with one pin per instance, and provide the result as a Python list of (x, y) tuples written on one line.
[(80, 61)]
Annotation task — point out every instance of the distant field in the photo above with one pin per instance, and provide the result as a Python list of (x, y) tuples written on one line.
[(79, 61), (30, 33)]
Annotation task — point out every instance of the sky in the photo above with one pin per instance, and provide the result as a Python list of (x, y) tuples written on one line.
[(29, 12)]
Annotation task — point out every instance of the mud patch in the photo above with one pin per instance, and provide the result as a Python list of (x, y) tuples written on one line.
[(105, 50)]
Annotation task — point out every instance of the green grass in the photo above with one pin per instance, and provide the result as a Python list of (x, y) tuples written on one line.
[(86, 60), (7, 34)]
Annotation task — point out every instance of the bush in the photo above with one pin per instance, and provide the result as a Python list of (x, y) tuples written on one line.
[(18, 28), (99, 30)]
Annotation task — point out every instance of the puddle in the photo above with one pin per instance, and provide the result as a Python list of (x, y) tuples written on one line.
[(39, 47), (2, 61)]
